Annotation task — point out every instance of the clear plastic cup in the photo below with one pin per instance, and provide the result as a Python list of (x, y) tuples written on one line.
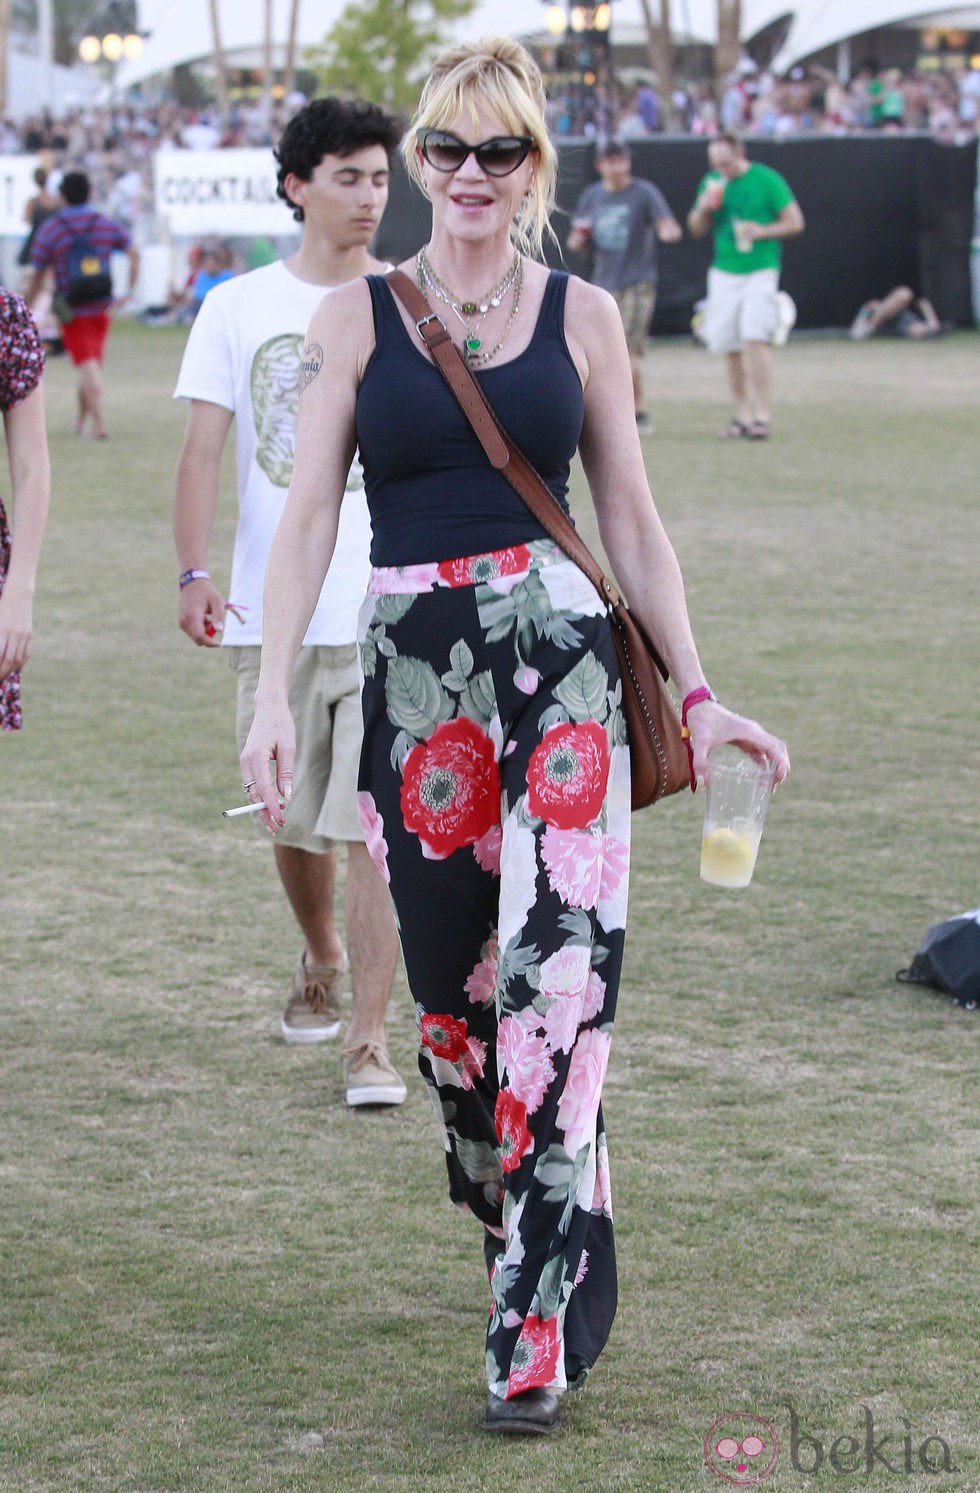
[(737, 797)]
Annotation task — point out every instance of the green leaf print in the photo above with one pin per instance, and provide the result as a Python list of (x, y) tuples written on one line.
[(519, 963), (583, 690), (554, 1171), (400, 748), (478, 1159), (392, 608), (414, 696), (478, 700), (461, 659), (549, 1287), (499, 617), (577, 923), (369, 657)]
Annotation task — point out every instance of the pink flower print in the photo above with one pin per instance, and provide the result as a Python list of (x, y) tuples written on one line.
[(561, 1022), (526, 679), (602, 1194), (408, 580), (524, 1060), (536, 1353), (487, 850), (472, 1062), (583, 1268), (373, 826), (567, 972), (583, 1089), (595, 996), (615, 865), (573, 860), (481, 985)]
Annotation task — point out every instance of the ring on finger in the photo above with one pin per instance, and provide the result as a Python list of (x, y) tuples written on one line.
[(247, 786)]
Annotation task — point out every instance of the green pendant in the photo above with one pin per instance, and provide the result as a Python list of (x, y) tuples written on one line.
[(469, 308), (473, 344)]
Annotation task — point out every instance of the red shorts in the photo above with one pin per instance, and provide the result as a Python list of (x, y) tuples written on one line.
[(84, 337)]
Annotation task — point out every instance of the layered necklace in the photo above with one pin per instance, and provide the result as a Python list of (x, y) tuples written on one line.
[(467, 311)]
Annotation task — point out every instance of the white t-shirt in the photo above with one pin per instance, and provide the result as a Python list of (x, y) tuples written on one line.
[(243, 353)]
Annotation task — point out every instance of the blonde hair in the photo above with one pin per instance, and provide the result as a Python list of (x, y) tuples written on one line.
[(501, 75)]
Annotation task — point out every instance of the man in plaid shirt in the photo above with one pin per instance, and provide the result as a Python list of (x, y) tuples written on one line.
[(85, 326)]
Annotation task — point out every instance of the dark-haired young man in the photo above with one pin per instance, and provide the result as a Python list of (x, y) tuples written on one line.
[(243, 363), (85, 322)]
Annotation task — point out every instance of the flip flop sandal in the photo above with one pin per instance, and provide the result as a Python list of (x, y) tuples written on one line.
[(758, 431), (734, 429)]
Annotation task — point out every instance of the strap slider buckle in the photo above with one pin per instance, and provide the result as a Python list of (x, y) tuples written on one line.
[(425, 322)]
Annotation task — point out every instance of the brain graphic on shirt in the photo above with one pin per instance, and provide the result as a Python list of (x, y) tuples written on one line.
[(275, 403)]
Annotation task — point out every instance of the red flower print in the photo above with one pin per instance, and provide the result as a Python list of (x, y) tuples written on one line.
[(477, 570), (568, 773), (535, 1361), (451, 787), (444, 1036), (510, 1118)]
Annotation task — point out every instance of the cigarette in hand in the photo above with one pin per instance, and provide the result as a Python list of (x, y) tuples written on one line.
[(245, 809)]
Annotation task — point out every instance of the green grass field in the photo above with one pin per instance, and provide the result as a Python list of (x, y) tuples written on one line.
[(215, 1277)]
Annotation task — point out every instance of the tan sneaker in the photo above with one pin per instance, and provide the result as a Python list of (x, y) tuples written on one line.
[(313, 1013), (369, 1077)]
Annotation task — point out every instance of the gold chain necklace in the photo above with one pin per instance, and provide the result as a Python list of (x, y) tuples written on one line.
[(465, 311)]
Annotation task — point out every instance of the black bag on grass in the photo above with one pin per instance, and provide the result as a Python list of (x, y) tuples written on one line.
[(948, 959)]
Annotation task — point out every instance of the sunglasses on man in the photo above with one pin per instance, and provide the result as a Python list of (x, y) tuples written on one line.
[(497, 157)]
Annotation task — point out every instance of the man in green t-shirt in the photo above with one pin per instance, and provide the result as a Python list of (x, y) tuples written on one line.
[(750, 209)]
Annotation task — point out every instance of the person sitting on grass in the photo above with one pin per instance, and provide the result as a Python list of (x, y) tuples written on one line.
[(898, 314)]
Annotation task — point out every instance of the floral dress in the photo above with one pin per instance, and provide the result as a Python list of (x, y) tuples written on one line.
[(21, 367), (495, 799)]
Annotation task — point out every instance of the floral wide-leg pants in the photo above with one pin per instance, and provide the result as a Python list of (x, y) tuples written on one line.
[(495, 798)]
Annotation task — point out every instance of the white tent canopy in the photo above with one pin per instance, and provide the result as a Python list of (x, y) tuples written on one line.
[(179, 30)]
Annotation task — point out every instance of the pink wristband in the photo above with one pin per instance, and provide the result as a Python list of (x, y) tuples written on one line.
[(696, 697)]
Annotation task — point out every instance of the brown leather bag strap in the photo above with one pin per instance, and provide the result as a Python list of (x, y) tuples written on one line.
[(501, 450)]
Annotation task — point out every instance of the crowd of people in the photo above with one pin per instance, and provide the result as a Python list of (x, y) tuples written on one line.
[(114, 144), (808, 101)]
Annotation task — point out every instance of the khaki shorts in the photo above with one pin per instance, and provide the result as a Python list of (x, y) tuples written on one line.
[(325, 698), (739, 309), (636, 303)]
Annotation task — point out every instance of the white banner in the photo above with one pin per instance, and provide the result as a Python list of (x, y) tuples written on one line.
[(228, 192), (17, 187)]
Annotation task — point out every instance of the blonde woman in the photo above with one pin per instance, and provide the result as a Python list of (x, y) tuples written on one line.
[(494, 785)]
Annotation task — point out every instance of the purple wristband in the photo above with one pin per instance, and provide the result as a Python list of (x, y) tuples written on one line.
[(193, 575)]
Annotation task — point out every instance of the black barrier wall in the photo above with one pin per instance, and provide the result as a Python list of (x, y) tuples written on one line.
[(880, 211)]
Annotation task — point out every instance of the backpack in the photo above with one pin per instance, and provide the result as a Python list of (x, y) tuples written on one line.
[(89, 277)]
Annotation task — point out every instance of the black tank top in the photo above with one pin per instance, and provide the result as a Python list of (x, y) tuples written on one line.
[(431, 490)]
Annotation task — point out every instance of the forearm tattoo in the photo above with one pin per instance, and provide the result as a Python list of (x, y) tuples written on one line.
[(310, 364)]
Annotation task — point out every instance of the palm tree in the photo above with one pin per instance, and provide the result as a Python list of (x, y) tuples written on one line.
[(729, 44), (661, 53), (220, 65), (289, 73), (267, 66)]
